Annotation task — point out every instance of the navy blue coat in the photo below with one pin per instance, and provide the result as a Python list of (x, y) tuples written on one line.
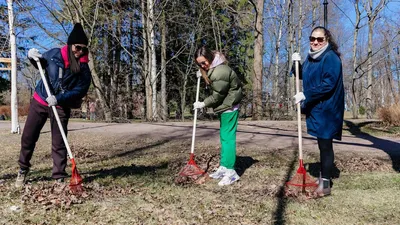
[(324, 92), (69, 90)]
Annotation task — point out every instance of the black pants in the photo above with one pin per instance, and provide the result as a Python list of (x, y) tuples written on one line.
[(35, 121), (326, 157)]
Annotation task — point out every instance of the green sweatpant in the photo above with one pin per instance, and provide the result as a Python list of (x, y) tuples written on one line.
[(228, 126)]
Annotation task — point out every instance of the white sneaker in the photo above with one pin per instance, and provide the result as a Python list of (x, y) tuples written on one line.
[(219, 173), (230, 177)]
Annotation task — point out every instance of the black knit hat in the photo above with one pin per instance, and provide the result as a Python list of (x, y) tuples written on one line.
[(77, 35)]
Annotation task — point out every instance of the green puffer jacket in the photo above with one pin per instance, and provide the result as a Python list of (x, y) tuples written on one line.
[(226, 87)]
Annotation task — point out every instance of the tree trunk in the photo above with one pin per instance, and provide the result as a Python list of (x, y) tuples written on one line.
[(276, 90), (118, 101), (110, 78), (397, 58), (372, 15), (369, 105), (291, 49), (14, 100), (258, 64), (354, 57), (164, 107), (145, 64), (153, 62), (129, 76), (99, 90), (315, 4)]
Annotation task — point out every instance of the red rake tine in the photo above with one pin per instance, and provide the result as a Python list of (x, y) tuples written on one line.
[(75, 183), (191, 168)]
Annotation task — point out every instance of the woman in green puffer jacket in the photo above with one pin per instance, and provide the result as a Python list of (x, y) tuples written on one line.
[(225, 98)]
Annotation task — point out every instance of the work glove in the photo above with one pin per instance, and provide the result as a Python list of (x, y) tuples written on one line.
[(296, 57), (34, 54), (51, 100), (198, 105), (198, 73), (299, 97)]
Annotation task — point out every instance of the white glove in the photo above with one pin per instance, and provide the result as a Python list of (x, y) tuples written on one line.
[(51, 100), (296, 57), (198, 74), (34, 54), (299, 97), (198, 105)]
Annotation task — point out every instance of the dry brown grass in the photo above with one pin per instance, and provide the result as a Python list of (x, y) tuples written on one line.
[(130, 180), (390, 115), (6, 110)]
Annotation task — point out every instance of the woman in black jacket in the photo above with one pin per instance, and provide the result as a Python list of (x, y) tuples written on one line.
[(68, 76)]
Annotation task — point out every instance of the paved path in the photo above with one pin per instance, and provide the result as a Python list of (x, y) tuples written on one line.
[(268, 134)]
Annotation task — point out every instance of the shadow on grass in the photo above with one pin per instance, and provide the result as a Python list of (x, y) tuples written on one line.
[(122, 171), (390, 147), (152, 145), (255, 132), (32, 176), (132, 151), (84, 128), (243, 163), (282, 200)]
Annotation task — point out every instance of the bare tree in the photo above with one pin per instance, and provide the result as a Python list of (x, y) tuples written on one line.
[(258, 62), (372, 14), (354, 57), (164, 107), (152, 57)]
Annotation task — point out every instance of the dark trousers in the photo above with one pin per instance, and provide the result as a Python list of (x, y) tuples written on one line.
[(326, 157), (35, 121)]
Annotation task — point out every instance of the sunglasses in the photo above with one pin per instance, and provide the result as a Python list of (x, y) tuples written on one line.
[(81, 48), (319, 39)]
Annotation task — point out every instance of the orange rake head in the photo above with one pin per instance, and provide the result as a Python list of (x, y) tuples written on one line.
[(75, 183), (301, 182)]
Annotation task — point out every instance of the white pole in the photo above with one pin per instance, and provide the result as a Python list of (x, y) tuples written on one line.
[(60, 126), (195, 116), (299, 112), (14, 100)]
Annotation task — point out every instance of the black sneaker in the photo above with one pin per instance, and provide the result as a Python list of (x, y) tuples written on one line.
[(21, 177)]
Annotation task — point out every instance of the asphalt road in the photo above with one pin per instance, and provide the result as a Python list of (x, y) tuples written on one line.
[(261, 134)]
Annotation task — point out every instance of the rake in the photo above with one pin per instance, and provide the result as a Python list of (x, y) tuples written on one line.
[(301, 180), (75, 183), (191, 169)]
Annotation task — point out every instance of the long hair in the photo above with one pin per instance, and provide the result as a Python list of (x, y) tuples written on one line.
[(207, 54), (73, 62), (329, 38)]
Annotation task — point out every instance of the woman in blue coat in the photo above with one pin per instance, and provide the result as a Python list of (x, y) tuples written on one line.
[(69, 78), (322, 99)]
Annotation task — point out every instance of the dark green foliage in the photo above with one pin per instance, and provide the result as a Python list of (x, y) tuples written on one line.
[(361, 110)]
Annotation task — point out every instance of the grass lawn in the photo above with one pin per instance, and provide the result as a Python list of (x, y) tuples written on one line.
[(131, 181)]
